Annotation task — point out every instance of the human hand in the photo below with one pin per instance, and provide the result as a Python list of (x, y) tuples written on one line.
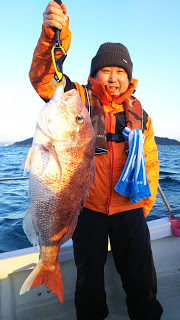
[(55, 15)]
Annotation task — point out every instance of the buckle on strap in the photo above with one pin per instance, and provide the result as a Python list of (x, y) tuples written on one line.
[(117, 137)]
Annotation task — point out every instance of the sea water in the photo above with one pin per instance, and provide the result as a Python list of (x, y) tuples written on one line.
[(14, 195)]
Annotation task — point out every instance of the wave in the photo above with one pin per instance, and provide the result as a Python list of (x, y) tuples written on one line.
[(168, 172), (14, 216), (169, 180)]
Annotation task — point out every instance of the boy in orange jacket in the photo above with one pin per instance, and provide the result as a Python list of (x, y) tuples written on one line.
[(106, 213)]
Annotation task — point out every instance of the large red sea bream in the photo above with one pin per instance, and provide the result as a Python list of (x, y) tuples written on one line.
[(61, 172)]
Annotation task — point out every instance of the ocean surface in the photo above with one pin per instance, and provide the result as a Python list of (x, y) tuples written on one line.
[(14, 195)]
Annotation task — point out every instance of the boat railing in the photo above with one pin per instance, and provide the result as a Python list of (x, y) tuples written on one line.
[(16, 178)]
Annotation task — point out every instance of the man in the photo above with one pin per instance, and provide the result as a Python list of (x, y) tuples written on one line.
[(108, 95)]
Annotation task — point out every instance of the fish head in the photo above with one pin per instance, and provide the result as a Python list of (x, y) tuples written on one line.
[(79, 128), (65, 119)]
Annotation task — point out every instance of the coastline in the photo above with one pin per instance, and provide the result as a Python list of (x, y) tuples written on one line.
[(160, 141)]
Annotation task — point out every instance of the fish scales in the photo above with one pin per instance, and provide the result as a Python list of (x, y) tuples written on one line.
[(61, 172)]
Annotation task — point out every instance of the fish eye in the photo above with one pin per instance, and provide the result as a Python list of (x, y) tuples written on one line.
[(79, 119)]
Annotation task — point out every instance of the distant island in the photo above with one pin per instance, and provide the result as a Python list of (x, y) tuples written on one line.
[(166, 142), (23, 143), (159, 141)]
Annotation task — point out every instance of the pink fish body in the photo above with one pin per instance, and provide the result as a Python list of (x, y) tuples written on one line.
[(61, 172)]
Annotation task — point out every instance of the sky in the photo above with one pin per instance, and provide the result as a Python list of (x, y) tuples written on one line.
[(150, 29)]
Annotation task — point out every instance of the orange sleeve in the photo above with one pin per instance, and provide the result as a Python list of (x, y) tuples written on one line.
[(152, 166), (42, 69), (80, 89)]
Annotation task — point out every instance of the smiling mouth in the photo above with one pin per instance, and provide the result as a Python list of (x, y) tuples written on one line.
[(113, 88)]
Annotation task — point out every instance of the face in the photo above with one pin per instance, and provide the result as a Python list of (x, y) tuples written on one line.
[(115, 78)]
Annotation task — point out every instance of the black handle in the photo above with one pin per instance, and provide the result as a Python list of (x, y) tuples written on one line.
[(58, 74), (57, 32), (58, 1)]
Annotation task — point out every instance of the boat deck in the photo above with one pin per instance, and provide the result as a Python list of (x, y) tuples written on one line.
[(40, 304)]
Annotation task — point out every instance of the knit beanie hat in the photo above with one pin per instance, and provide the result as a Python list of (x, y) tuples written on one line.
[(112, 54)]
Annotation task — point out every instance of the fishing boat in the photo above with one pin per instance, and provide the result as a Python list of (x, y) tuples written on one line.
[(39, 303)]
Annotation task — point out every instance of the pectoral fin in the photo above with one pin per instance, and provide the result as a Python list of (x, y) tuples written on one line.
[(52, 150), (29, 227), (27, 161)]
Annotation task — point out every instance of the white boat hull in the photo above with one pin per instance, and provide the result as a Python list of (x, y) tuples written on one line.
[(39, 303)]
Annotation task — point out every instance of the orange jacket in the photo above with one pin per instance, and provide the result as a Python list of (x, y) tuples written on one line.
[(109, 166)]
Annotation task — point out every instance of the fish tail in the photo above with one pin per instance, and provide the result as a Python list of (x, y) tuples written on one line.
[(50, 277)]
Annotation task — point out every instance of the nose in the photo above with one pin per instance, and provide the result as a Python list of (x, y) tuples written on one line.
[(112, 77)]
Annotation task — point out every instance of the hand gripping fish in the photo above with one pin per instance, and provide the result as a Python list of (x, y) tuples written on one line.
[(61, 172)]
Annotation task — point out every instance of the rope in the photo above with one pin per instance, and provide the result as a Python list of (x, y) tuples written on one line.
[(165, 201)]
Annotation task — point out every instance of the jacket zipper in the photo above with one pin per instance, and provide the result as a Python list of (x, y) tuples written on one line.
[(112, 166)]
